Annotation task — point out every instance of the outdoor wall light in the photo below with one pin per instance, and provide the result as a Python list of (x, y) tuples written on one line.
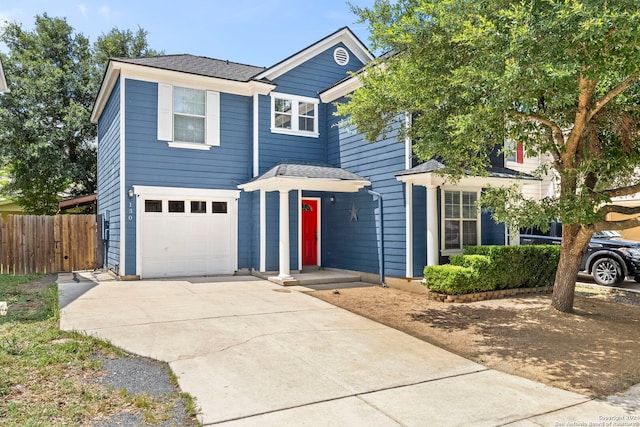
[(130, 193), (332, 199)]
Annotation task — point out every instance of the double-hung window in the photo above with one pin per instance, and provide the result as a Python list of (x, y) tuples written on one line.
[(188, 117), (460, 219), (295, 115), (189, 113)]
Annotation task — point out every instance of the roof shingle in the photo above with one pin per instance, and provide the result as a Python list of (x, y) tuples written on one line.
[(309, 171), (198, 65), (493, 171)]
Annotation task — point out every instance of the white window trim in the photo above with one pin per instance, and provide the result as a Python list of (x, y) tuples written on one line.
[(189, 145), (296, 100), (478, 191), (165, 118)]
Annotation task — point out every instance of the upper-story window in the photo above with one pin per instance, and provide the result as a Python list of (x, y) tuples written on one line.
[(514, 152), (188, 117), (188, 114), (295, 115)]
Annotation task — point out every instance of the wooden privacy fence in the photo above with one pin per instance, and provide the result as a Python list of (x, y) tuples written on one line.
[(49, 244)]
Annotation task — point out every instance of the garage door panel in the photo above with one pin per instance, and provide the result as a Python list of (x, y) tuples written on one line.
[(183, 244)]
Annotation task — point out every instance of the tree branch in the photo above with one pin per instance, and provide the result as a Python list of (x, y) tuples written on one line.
[(613, 93), (622, 191), (556, 132), (587, 88), (615, 225), (625, 210)]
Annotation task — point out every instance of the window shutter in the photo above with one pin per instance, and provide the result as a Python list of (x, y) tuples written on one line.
[(520, 153), (213, 118), (165, 112)]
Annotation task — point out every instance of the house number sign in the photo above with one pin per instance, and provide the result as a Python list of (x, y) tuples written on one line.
[(130, 213)]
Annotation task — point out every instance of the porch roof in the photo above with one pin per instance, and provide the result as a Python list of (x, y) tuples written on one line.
[(292, 176), (426, 174)]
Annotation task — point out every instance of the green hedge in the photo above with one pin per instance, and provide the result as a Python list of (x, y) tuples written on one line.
[(451, 279), (484, 268)]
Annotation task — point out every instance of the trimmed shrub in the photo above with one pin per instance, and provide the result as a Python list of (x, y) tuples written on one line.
[(451, 279), (527, 266), (486, 268), (482, 264)]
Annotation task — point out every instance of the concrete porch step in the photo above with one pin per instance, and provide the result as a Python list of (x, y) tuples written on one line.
[(314, 277), (322, 277)]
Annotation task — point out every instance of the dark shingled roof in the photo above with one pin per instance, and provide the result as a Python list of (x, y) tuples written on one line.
[(309, 171), (493, 171), (198, 65)]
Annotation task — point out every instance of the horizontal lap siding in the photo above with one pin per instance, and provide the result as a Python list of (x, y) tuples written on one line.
[(309, 78), (354, 246), (278, 148), (419, 230), (273, 229), (153, 163), (316, 74), (109, 174), (492, 233)]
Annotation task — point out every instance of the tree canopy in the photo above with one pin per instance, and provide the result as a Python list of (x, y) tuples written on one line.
[(47, 143), (558, 76)]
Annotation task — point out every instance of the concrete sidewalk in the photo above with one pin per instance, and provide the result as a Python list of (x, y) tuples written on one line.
[(255, 353)]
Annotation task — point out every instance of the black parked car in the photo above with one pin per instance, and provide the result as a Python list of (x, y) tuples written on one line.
[(609, 258)]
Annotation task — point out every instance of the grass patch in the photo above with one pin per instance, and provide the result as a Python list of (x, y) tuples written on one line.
[(48, 376), (27, 298)]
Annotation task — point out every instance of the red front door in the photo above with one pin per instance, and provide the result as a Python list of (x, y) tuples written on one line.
[(309, 232)]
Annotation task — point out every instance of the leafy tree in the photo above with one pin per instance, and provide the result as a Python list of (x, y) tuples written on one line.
[(122, 44), (47, 143), (558, 76)]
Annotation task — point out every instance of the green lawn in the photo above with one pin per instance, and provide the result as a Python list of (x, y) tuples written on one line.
[(46, 373)]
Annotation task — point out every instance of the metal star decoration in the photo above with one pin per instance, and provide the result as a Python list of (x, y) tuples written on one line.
[(353, 212)]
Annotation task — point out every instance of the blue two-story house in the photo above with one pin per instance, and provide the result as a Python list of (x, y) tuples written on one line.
[(208, 166)]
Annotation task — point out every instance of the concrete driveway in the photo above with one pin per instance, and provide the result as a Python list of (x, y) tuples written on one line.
[(255, 353)]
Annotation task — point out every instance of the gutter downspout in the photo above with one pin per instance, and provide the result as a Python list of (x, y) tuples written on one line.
[(380, 237)]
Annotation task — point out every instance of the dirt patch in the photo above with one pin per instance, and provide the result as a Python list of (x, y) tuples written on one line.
[(593, 351)]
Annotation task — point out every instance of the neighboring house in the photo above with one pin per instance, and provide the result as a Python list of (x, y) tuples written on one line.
[(630, 201), (3, 81), (213, 167), (9, 207)]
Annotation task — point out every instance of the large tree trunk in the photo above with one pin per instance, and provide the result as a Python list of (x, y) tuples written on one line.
[(574, 242)]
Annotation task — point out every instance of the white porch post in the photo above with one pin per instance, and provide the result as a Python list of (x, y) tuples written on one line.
[(514, 236), (432, 225), (409, 229), (263, 231), (285, 272)]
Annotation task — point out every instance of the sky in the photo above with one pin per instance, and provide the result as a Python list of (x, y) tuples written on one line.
[(254, 32)]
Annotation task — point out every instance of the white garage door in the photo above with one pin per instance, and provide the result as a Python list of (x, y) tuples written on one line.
[(187, 236)]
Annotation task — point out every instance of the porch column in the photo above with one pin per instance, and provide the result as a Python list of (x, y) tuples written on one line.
[(285, 272), (514, 236), (432, 226), (409, 229), (263, 231)]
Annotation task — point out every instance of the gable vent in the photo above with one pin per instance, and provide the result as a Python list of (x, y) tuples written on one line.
[(341, 56)]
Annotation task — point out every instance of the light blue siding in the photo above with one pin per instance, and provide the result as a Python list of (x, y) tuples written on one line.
[(419, 232), (353, 244), (317, 74), (109, 175), (308, 79), (492, 233), (153, 163)]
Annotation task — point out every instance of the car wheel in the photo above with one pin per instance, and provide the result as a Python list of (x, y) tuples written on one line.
[(607, 272)]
